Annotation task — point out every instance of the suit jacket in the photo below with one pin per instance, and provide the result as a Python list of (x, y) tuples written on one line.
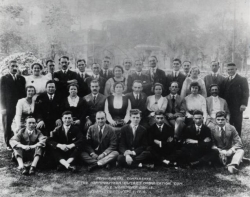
[(144, 78), (223, 105), (170, 78), (94, 107), (58, 136), (107, 144), (178, 105), (46, 110), (101, 80), (22, 137), (209, 80), (141, 104), (83, 86), (110, 74), (62, 83), (190, 133), (128, 142), (159, 77), (232, 138), (236, 93), (11, 91)]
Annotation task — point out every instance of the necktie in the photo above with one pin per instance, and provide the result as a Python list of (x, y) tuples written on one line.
[(14, 77), (50, 97), (198, 131), (223, 135), (82, 76), (94, 99), (134, 129), (105, 74), (173, 104), (100, 134), (160, 128), (137, 97)]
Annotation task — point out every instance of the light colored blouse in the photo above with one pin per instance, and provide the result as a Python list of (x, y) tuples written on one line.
[(185, 90), (73, 101), (39, 82), (23, 108), (153, 105), (109, 90)]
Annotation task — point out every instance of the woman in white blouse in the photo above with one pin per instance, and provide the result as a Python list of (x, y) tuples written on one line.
[(25, 107), (36, 79), (118, 77), (117, 106), (155, 103), (194, 77)]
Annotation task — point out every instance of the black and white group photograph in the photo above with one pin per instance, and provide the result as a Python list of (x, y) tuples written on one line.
[(124, 98)]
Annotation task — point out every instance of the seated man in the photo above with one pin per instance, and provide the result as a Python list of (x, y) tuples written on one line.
[(101, 144), (175, 111), (215, 104), (197, 143), (227, 142), (65, 142), (160, 138), (133, 142), (28, 144)]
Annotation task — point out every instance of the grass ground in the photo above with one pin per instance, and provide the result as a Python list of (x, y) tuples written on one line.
[(126, 182)]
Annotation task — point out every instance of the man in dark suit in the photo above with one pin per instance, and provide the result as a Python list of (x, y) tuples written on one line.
[(64, 77), (47, 109), (176, 75), (133, 142), (175, 112), (213, 78), (139, 75), (66, 143), (197, 143), (235, 91), (156, 75), (101, 144), (50, 64), (12, 87), (186, 67), (96, 76), (95, 102), (106, 73), (81, 77)]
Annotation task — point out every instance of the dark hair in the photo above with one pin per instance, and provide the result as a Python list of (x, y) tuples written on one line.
[(28, 117), (36, 63), (118, 66), (174, 82), (178, 60), (81, 60), (159, 112), (66, 113), (186, 61), (101, 112), (30, 87), (137, 81), (231, 64), (197, 112), (127, 59), (194, 84), (154, 57), (95, 64), (158, 84), (73, 84), (135, 112), (50, 81), (215, 62), (213, 85), (118, 82), (12, 61), (107, 57), (221, 114), (64, 57), (94, 81), (139, 61), (49, 61)]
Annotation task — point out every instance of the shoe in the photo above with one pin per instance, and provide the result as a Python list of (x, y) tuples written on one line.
[(232, 169), (24, 171), (108, 166), (92, 167), (194, 164), (60, 167), (150, 166), (13, 158), (246, 160), (72, 168), (223, 159), (32, 170)]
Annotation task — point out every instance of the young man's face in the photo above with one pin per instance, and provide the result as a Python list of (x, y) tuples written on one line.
[(100, 118), (31, 124), (106, 63), (231, 70), (96, 69), (152, 62), (159, 119), (174, 88), (67, 119), (81, 66), (64, 63), (51, 67), (176, 65), (51, 88), (94, 87), (198, 119), (186, 67), (138, 66), (127, 64), (221, 121), (137, 87), (135, 119), (215, 67), (13, 68)]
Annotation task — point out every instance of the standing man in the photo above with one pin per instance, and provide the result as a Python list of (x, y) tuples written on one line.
[(186, 67), (176, 75), (47, 109), (214, 77), (66, 143), (50, 64), (96, 76), (106, 73), (156, 75), (64, 77), (236, 93), (81, 77), (127, 64), (101, 144), (139, 75), (12, 88), (95, 101)]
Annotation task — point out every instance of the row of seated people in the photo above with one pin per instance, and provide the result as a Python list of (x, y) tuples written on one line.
[(136, 146)]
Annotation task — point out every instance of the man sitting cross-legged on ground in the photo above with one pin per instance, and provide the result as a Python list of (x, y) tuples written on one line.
[(133, 142), (227, 142), (101, 144), (197, 144), (28, 143), (65, 143)]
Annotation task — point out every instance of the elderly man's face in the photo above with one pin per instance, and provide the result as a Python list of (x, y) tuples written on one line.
[(13, 68), (214, 91), (100, 119)]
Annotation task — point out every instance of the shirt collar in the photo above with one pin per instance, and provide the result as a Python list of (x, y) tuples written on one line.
[(138, 73), (66, 128), (173, 95), (132, 126), (153, 69), (30, 132), (65, 70), (198, 127), (105, 70), (95, 95), (102, 128), (96, 76), (136, 94), (176, 72), (224, 128), (159, 126), (233, 76), (216, 74), (49, 95), (13, 75)]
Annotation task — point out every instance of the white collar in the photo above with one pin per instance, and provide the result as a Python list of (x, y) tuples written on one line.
[(136, 94), (153, 69), (96, 95), (138, 73), (102, 128), (49, 95), (176, 72), (82, 72), (232, 76), (132, 126), (29, 132), (66, 128), (224, 128), (160, 126), (216, 74), (198, 127), (173, 95), (65, 70), (215, 97), (105, 70), (96, 76)]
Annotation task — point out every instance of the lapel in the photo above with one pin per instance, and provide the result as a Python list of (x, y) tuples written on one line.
[(131, 138), (62, 134), (97, 99), (230, 83), (105, 131)]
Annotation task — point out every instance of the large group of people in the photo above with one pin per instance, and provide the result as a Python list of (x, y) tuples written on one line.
[(124, 117)]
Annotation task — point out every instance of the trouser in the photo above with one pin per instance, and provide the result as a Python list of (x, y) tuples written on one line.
[(29, 154), (7, 120), (236, 120), (59, 154), (178, 125), (107, 159), (141, 158), (236, 158)]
